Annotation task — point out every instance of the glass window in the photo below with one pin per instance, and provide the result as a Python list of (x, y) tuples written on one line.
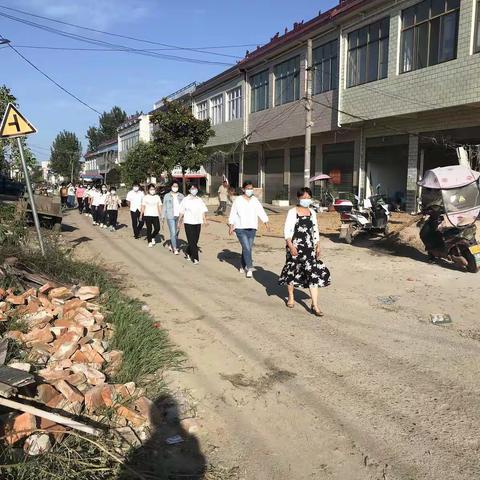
[(368, 53), (287, 81), (429, 34), (216, 108), (259, 85), (234, 104), (202, 110), (325, 74)]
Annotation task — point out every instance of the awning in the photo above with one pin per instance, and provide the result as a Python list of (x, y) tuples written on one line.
[(191, 175)]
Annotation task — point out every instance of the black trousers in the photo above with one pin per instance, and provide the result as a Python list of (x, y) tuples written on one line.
[(137, 224), (112, 217), (86, 206), (99, 216), (193, 234), (80, 204), (153, 227)]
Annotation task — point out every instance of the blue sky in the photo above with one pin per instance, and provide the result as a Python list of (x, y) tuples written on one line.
[(134, 82)]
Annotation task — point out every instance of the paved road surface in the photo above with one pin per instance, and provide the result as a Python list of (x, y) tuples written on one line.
[(371, 391)]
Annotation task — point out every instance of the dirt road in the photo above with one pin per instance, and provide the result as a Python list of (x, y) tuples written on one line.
[(371, 391)]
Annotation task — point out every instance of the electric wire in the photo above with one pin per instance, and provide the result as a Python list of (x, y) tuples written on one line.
[(127, 37)]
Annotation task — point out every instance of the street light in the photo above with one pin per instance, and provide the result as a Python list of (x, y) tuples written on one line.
[(4, 41)]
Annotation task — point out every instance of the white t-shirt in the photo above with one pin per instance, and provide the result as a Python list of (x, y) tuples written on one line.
[(192, 208), (151, 204), (135, 199), (245, 213), (95, 196), (103, 197), (176, 205), (71, 191)]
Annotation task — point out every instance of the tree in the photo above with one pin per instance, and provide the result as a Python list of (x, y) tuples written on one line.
[(36, 174), (180, 137), (143, 160), (65, 155), (107, 129), (9, 153)]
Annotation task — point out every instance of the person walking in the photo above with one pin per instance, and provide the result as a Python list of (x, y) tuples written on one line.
[(134, 201), (243, 220), (192, 215), (87, 199), (63, 195), (303, 267), (95, 202), (112, 204), (101, 210), (171, 212), (70, 196), (223, 192), (151, 212), (80, 193)]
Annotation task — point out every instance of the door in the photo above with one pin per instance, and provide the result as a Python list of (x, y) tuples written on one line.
[(338, 161), (274, 189)]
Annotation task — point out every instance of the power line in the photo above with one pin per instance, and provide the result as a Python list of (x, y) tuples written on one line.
[(52, 80), (103, 32), (124, 48)]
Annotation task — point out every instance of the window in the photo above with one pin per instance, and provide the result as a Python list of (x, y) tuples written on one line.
[(216, 105), (325, 73), (429, 34), (234, 104), (259, 91), (368, 53), (287, 81), (202, 110)]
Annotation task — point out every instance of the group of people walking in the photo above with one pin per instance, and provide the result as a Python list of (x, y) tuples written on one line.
[(303, 267)]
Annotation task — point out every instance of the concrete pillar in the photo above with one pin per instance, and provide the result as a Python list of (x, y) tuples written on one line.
[(286, 172), (261, 167), (318, 158), (359, 165), (412, 173), (240, 165)]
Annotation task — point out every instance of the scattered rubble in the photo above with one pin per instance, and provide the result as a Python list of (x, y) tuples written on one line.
[(63, 371)]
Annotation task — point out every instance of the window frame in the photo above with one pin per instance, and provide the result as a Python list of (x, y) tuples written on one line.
[(476, 35), (201, 111), (214, 118), (431, 21), (285, 76), (318, 66), (365, 42), (232, 101), (263, 84)]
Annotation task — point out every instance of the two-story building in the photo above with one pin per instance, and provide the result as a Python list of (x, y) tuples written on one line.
[(99, 163), (137, 128), (395, 90)]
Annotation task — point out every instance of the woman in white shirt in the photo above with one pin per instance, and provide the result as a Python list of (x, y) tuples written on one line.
[(243, 220), (151, 213), (192, 215), (303, 267)]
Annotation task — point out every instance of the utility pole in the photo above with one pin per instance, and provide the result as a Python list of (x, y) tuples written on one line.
[(308, 114)]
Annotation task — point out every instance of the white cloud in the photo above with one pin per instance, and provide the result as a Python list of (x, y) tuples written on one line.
[(100, 14)]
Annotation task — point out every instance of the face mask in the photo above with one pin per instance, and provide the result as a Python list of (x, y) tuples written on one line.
[(305, 202), (151, 191), (135, 189), (249, 193), (193, 192), (113, 192), (174, 189)]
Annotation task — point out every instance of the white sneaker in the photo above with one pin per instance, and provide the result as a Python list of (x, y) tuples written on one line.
[(188, 257), (241, 270), (249, 274), (196, 262), (170, 248), (112, 229), (95, 223), (176, 252), (151, 244)]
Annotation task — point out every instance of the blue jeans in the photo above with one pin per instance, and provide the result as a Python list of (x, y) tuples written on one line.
[(173, 228), (246, 237)]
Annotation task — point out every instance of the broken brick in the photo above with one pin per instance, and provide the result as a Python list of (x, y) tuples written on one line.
[(60, 293), (38, 335), (70, 392), (94, 399), (20, 427), (88, 293), (15, 300), (46, 288), (37, 444), (45, 392), (131, 415)]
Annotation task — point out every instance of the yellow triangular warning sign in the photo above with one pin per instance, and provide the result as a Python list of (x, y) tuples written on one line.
[(14, 124)]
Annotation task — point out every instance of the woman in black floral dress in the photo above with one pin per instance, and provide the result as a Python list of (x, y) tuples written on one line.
[(303, 267)]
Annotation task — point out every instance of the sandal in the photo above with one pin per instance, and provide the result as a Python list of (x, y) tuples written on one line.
[(316, 311)]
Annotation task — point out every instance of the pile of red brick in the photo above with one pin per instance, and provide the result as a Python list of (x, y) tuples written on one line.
[(66, 347)]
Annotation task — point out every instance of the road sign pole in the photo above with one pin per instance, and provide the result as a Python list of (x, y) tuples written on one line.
[(30, 196)]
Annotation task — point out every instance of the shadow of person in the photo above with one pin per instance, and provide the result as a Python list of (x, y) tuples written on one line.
[(156, 458), (269, 280), (232, 258)]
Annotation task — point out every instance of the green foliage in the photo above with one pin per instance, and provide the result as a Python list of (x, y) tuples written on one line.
[(107, 129), (113, 177), (65, 155), (36, 175), (180, 137), (143, 160), (9, 153)]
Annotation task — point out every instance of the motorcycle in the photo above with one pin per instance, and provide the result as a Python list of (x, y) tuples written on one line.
[(450, 200), (372, 217)]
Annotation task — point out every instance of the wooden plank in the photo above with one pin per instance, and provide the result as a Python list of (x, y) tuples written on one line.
[(3, 350), (15, 377), (60, 419), (6, 390)]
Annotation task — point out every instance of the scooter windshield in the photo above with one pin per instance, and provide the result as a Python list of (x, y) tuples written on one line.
[(462, 204)]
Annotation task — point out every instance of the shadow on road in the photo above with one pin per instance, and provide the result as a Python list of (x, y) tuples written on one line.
[(156, 459), (78, 241)]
